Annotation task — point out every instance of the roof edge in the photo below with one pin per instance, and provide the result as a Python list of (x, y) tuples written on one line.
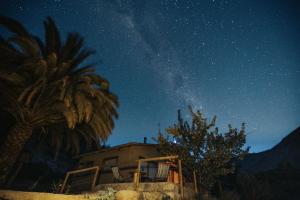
[(115, 148)]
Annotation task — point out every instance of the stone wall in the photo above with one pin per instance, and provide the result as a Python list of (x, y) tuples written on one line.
[(126, 191), (157, 190), (17, 195)]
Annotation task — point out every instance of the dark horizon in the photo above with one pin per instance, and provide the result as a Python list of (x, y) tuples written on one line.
[(238, 60)]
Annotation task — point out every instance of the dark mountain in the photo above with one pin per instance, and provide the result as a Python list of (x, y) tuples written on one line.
[(287, 152)]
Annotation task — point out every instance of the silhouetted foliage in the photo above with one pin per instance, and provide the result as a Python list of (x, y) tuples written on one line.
[(251, 188), (284, 181), (202, 148), (43, 86), (243, 186)]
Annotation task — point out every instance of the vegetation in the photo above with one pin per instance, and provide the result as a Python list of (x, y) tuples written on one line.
[(202, 148), (249, 187), (45, 88), (108, 194), (283, 182)]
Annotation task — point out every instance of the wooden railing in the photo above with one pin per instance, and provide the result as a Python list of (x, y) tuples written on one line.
[(171, 158), (96, 168)]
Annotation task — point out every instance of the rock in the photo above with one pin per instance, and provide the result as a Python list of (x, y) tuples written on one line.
[(18, 195), (127, 195), (157, 196)]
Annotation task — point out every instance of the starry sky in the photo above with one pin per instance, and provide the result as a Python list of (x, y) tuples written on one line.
[(237, 59)]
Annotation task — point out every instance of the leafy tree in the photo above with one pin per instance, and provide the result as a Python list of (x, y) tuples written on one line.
[(202, 148), (43, 83)]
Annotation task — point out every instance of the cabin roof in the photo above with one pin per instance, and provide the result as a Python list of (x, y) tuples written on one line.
[(117, 147)]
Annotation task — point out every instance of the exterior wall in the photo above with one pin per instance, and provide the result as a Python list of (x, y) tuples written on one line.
[(126, 161), (18, 195)]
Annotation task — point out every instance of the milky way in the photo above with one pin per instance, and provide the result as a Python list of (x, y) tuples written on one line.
[(238, 60)]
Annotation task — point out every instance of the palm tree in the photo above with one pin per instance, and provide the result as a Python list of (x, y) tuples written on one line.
[(42, 84)]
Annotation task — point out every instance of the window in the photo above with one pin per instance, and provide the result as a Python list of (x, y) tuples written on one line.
[(144, 166), (109, 162), (86, 164), (89, 164)]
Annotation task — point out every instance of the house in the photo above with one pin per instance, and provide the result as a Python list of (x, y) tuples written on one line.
[(139, 163), (124, 156)]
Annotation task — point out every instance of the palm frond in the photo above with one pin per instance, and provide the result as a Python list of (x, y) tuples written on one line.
[(49, 88), (52, 37), (14, 26), (71, 47), (82, 55), (28, 46)]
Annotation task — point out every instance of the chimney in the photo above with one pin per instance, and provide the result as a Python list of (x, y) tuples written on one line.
[(145, 140)]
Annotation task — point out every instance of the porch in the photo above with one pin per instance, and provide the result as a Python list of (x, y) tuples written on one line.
[(173, 184)]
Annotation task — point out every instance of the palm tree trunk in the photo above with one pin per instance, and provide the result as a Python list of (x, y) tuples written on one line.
[(12, 147)]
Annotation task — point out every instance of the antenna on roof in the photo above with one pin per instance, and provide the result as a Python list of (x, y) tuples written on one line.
[(159, 132)]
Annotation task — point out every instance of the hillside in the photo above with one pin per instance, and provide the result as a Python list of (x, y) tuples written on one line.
[(287, 151)]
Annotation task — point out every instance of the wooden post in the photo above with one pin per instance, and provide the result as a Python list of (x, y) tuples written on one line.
[(195, 182), (12, 178), (95, 179), (78, 171), (220, 190), (138, 175), (180, 178), (65, 182), (158, 158)]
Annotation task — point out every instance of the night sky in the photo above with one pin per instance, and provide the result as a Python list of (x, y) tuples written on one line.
[(239, 60)]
